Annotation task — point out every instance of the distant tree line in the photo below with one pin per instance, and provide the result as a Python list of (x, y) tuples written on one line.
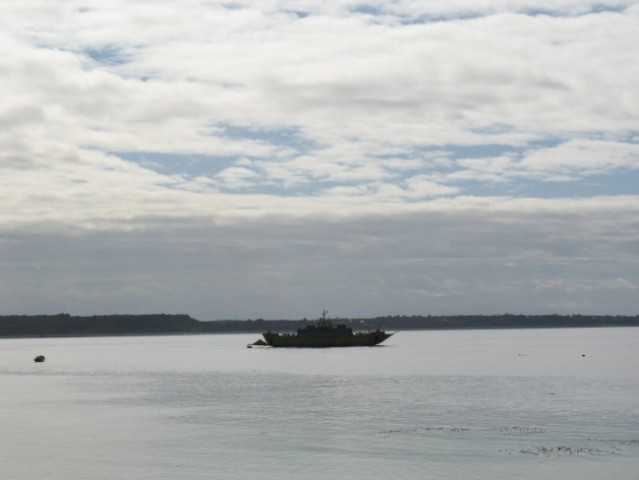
[(500, 321), (63, 325)]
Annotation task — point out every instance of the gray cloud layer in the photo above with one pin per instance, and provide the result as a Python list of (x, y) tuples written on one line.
[(474, 259)]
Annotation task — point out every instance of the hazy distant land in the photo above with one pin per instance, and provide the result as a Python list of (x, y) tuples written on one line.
[(63, 325)]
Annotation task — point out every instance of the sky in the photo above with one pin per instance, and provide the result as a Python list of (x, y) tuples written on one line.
[(271, 159)]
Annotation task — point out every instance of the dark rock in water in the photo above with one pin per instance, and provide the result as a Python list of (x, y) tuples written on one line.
[(39, 359)]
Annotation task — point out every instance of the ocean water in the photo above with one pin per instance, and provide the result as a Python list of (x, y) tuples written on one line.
[(482, 404)]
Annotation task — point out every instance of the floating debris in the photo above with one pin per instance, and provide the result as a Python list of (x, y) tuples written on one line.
[(39, 359)]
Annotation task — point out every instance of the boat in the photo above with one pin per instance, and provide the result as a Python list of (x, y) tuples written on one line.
[(324, 334)]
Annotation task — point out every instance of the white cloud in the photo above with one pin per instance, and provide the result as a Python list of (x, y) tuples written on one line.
[(237, 177), (582, 157), (492, 169), (421, 186), (343, 77)]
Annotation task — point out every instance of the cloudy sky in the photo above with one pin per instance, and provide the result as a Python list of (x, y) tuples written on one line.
[(272, 158)]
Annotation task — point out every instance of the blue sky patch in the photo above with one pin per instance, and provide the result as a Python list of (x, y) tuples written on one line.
[(179, 164), (108, 55)]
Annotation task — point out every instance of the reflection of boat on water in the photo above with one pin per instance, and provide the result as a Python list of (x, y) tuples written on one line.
[(324, 334)]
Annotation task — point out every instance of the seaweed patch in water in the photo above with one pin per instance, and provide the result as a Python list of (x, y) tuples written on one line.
[(521, 429), (626, 442), (563, 450), (428, 429)]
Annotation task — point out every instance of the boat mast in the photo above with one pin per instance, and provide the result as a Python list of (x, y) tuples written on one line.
[(324, 322)]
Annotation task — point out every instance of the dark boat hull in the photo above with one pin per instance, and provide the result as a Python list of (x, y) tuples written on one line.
[(367, 339)]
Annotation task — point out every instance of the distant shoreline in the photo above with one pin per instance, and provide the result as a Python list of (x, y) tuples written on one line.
[(65, 325)]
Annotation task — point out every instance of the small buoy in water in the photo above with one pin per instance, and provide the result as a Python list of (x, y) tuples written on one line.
[(39, 359)]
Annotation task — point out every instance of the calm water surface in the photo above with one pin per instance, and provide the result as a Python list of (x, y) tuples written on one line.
[(488, 404)]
